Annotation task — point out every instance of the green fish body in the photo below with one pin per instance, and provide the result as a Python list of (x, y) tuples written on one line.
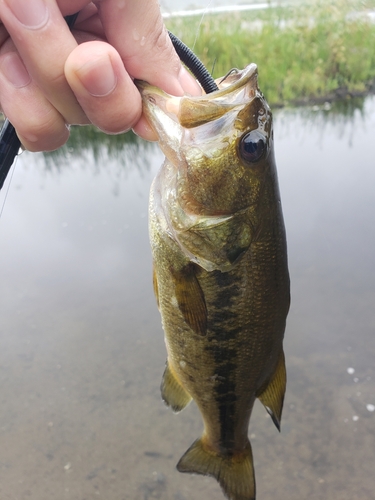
[(220, 268)]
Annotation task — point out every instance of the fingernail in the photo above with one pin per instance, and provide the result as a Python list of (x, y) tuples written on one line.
[(14, 70), (189, 83), (98, 77), (32, 14)]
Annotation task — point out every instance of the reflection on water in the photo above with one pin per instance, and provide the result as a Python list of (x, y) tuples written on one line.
[(94, 148), (82, 349)]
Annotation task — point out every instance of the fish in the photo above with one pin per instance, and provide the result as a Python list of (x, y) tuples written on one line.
[(220, 270)]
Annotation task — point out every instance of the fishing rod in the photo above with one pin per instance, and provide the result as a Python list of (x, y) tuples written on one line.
[(10, 143)]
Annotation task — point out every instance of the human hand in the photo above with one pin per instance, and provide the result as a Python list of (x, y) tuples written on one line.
[(51, 77)]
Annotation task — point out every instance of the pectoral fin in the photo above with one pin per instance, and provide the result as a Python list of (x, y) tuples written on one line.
[(272, 396), (190, 299), (172, 392), (155, 283)]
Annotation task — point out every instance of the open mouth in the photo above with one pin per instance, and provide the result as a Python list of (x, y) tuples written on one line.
[(235, 88)]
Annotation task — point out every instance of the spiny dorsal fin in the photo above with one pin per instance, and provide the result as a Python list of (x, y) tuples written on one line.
[(190, 299), (272, 396), (172, 392), (235, 473)]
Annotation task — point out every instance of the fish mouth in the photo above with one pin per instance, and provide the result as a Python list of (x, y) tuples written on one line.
[(165, 111)]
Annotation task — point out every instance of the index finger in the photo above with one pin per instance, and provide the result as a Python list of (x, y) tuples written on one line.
[(136, 29)]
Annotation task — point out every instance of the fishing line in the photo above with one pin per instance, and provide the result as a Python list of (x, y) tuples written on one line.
[(191, 61), (200, 23), (10, 143), (213, 66), (10, 182)]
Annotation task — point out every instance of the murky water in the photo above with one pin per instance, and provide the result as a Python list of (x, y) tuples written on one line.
[(82, 349)]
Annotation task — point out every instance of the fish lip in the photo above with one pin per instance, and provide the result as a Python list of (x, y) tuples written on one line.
[(229, 94), (152, 96), (234, 80)]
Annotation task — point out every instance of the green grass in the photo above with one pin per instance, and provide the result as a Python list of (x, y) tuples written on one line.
[(302, 52)]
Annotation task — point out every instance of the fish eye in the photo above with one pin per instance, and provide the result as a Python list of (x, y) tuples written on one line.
[(252, 146)]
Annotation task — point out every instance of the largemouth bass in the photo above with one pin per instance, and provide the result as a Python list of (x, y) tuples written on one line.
[(220, 268)]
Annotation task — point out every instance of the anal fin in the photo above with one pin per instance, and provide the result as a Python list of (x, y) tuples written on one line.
[(172, 392), (234, 473), (272, 396)]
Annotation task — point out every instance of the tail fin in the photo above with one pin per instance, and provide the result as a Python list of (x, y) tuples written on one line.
[(235, 473)]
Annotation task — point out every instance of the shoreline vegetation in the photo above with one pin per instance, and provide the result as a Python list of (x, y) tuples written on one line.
[(306, 53)]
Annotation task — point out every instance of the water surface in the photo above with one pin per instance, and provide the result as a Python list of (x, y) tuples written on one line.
[(82, 349)]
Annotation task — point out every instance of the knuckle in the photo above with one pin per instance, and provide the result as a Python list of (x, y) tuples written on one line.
[(156, 49), (161, 47), (4, 35), (43, 133)]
